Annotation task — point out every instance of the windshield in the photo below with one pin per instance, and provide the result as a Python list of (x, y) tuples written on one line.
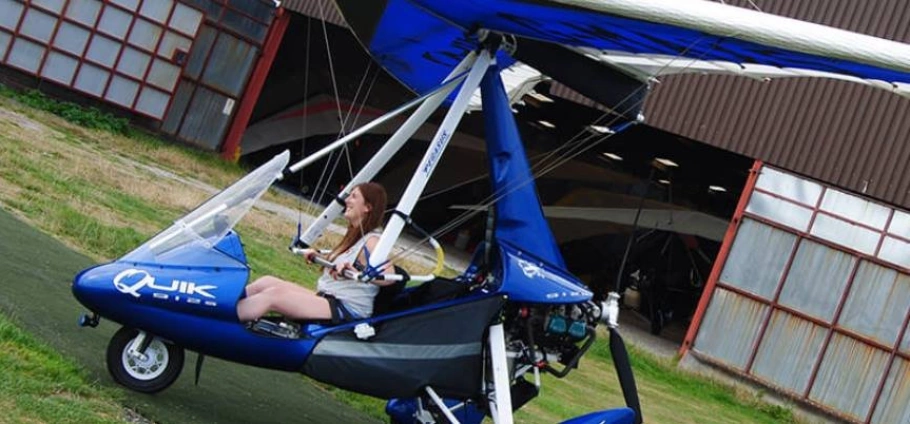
[(207, 224)]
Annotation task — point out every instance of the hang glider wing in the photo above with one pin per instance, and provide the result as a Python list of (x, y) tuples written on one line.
[(583, 43)]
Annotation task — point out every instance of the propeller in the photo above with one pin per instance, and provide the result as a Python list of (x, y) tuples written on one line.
[(621, 356)]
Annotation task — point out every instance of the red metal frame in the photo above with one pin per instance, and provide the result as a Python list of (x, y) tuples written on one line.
[(155, 55), (93, 32), (126, 37), (231, 147), (721, 258), (50, 41)]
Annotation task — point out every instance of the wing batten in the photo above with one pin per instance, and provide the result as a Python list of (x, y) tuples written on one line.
[(757, 27)]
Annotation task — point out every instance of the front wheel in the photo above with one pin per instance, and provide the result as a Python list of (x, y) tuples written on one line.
[(150, 372)]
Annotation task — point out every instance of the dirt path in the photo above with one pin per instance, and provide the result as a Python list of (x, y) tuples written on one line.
[(35, 291)]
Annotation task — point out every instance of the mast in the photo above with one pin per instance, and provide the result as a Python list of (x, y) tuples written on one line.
[(430, 103), (430, 159)]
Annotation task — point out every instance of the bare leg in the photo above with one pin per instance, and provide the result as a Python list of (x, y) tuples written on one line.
[(288, 299), (261, 284)]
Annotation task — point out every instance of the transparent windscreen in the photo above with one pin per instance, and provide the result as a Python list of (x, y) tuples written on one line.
[(207, 224)]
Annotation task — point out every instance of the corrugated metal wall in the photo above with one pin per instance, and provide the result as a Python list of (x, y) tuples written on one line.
[(217, 69), (125, 52), (853, 136), (810, 301), (320, 9)]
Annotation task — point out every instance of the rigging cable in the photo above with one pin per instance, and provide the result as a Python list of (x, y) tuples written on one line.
[(311, 210), (559, 156)]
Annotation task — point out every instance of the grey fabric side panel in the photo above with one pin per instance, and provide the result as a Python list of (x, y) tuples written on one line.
[(441, 348), (458, 378), (359, 349)]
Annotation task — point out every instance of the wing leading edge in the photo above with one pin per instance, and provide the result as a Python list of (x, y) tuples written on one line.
[(418, 41)]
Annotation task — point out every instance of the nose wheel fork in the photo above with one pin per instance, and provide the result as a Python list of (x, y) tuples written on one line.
[(143, 362)]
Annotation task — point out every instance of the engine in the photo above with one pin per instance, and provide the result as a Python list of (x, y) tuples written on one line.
[(549, 338)]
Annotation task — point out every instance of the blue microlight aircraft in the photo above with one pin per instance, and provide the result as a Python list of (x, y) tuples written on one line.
[(455, 350)]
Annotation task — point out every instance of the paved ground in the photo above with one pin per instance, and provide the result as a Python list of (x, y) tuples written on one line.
[(35, 276)]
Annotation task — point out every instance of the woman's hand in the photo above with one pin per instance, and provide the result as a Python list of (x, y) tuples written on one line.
[(309, 254), (340, 268)]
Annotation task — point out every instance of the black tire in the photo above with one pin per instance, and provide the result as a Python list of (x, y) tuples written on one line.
[(161, 368)]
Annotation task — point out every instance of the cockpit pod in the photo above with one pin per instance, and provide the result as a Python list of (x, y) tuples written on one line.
[(525, 278), (185, 282), (196, 265)]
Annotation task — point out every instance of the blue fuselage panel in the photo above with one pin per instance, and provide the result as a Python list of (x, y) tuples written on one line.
[(528, 279)]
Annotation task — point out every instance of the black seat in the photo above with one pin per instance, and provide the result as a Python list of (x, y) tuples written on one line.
[(387, 294), (437, 290)]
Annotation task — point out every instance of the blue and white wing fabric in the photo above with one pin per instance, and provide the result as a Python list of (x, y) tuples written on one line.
[(624, 43)]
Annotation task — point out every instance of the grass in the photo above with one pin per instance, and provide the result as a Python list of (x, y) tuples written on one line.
[(83, 178), (38, 385)]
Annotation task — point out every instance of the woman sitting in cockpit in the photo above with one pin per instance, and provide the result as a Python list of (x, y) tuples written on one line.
[(337, 297)]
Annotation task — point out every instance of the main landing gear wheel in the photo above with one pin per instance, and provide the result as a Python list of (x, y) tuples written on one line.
[(150, 371)]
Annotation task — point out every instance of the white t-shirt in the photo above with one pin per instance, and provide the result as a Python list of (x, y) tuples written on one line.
[(356, 296)]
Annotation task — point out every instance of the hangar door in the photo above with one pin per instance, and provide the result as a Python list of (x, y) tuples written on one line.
[(810, 295)]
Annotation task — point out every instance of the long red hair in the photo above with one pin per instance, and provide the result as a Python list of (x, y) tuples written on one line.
[(375, 196)]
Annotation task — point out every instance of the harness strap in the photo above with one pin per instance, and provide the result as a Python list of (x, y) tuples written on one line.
[(340, 314)]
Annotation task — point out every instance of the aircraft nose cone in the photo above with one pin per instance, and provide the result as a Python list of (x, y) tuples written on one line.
[(89, 284)]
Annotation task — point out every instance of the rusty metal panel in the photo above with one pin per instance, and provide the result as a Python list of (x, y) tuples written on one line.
[(26, 55), (894, 406), (895, 251), (780, 211), (244, 25), (319, 9), (178, 107), (757, 259), (92, 79), (59, 67), (10, 12), (152, 102), (852, 136), (84, 11), (206, 125), (4, 42), (856, 208), (789, 186), (788, 351), (38, 25), (204, 40), (846, 234), (229, 64), (849, 376), (816, 281), (877, 303), (730, 328), (185, 19)]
